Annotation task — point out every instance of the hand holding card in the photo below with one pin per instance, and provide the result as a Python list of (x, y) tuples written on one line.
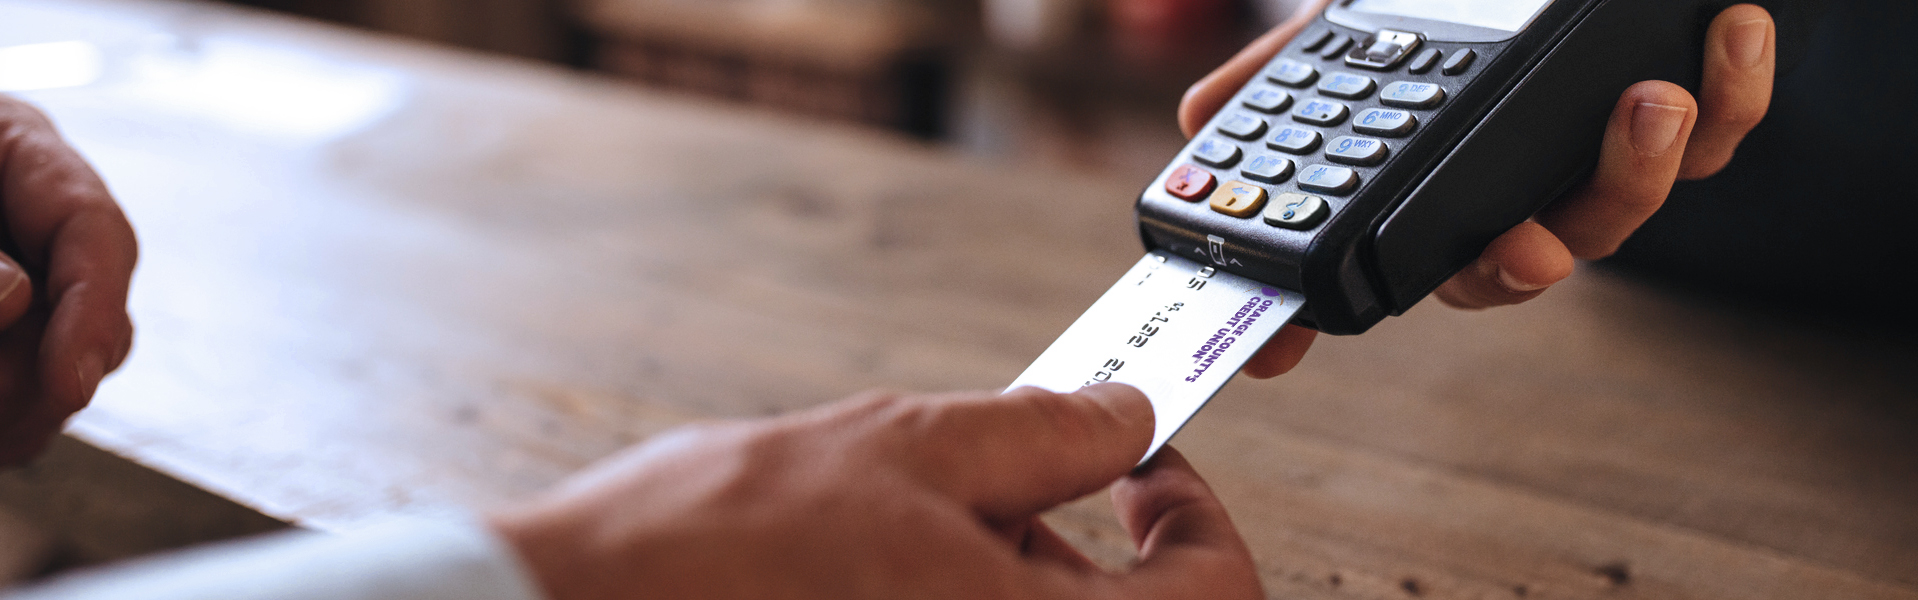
[(1175, 329)]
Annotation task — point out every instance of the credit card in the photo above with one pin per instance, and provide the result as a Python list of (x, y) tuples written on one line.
[(1173, 328)]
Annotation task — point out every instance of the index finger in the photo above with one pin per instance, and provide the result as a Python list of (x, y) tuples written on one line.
[(66, 225), (1012, 456)]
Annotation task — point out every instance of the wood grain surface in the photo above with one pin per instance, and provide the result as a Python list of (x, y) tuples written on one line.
[(381, 279)]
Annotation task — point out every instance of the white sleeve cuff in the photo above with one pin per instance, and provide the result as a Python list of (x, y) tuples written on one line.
[(402, 560)]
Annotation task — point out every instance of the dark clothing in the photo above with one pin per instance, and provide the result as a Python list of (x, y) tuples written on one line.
[(1821, 203)]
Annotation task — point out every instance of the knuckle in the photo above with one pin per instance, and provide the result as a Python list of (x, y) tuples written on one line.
[(875, 409), (738, 466), (878, 401), (15, 110), (1750, 115), (1704, 167), (1734, 116), (1634, 195)]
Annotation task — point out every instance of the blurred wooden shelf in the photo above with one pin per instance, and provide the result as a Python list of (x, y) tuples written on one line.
[(884, 63)]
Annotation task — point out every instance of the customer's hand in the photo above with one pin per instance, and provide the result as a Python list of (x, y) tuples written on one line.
[(1658, 135), (66, 258), (886, 497)]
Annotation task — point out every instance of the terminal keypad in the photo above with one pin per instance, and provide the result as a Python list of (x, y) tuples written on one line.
[(1341, 124)]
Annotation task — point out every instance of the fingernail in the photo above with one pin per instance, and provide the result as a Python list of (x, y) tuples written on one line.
[(1745, 43), (10, 281), (1506, 279), (89, 369), (1655, 127)]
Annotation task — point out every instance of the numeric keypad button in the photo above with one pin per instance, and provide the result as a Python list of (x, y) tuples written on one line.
[(1326, 179), (1294, 140), (1336, 48), (1189, 183), (1242, 126), (1424, 61), (1296, 211), (1292, 73), (1356, 151), (1217, 152), (1459, 62), (1350, 86), (1267, 168), (1388, 122), (1238, 199), (1316, 41), (1323, 113), (1412, 94), (1268, 100)]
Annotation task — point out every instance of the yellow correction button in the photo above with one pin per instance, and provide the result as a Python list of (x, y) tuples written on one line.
[(1238, 199)]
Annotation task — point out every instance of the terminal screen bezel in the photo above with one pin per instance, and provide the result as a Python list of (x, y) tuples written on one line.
[(1341, 12)]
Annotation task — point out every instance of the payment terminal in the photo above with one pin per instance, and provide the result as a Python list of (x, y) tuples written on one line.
[(1392, 140), (1369, 161)]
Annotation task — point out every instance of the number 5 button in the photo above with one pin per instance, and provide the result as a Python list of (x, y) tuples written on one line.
[(1320, 112)]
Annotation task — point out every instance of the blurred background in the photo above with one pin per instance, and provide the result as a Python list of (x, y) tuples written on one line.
[(1075, 84)]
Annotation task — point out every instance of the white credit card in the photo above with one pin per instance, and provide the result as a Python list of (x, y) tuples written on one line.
[(1173, 328)]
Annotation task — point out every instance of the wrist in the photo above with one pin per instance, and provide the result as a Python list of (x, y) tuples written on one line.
[(548, 548)]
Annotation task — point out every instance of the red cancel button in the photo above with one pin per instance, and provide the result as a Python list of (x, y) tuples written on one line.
[(1189, 183)]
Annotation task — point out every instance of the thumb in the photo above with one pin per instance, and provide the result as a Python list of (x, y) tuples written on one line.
[(1012, 456), (16, 292)]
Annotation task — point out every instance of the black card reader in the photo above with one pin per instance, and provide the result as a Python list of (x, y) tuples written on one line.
[(1390, 142)]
